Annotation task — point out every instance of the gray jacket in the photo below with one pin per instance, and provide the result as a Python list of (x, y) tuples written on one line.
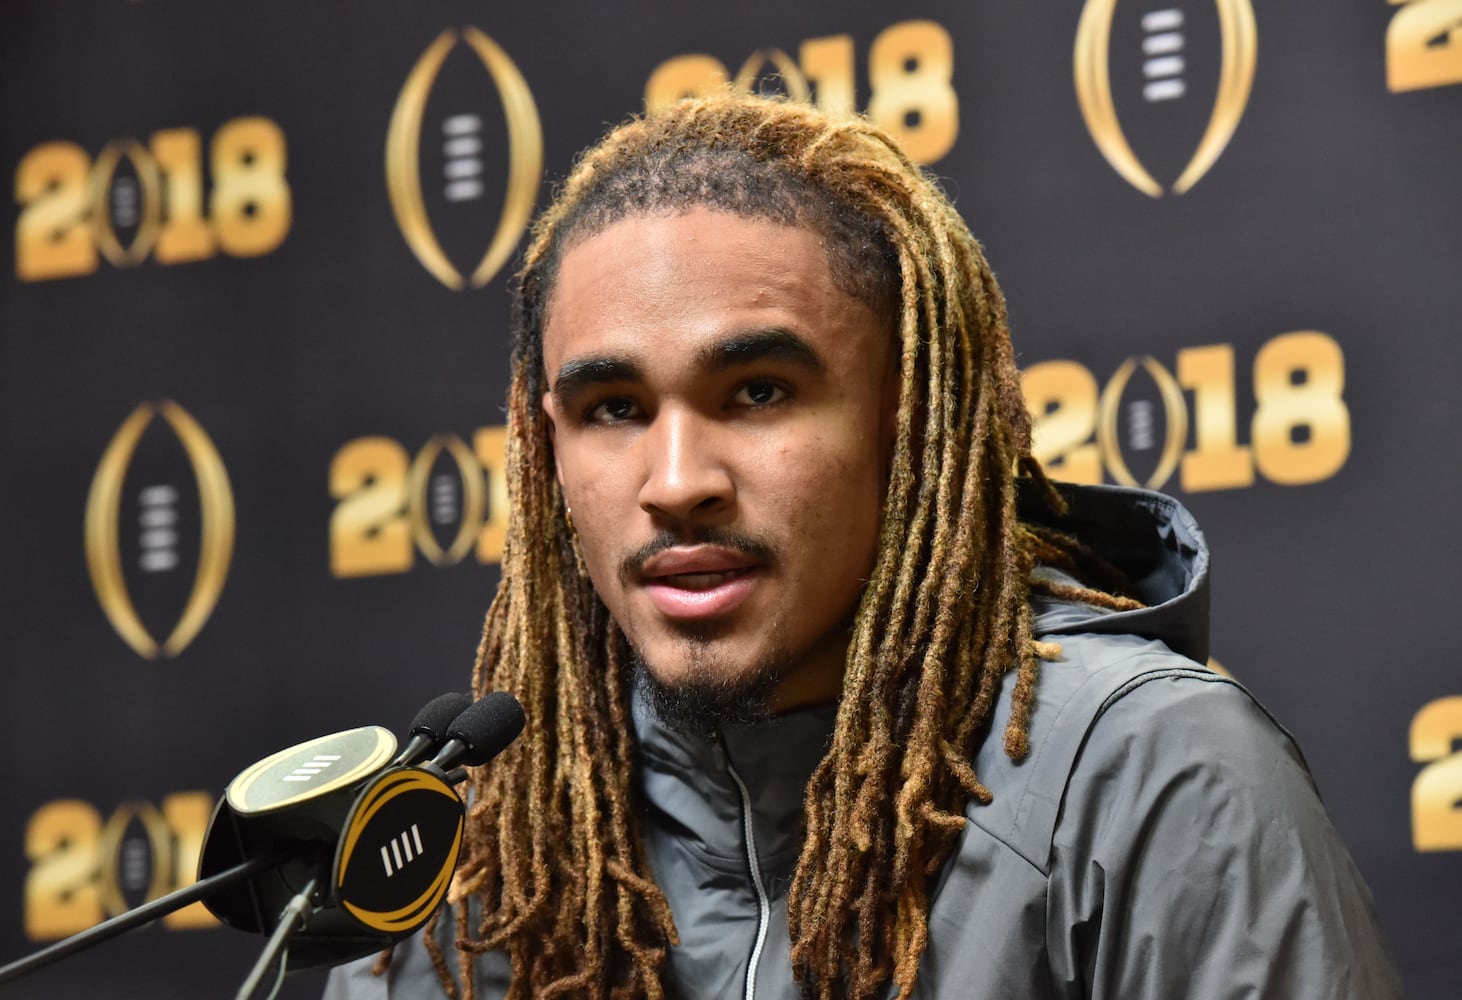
[(1163, 838)]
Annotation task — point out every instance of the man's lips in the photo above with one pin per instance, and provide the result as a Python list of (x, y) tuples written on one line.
[(699, 560), (700, 582)]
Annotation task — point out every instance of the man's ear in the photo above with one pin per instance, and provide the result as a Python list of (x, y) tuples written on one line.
[(548, 411)]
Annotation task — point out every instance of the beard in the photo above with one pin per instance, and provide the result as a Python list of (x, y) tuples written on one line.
[(706, 700), (708, 695)]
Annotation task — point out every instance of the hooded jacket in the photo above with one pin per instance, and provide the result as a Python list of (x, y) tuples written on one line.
[(1162, 839)]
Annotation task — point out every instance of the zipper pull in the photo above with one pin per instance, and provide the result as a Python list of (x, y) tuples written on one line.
[(718, 751)]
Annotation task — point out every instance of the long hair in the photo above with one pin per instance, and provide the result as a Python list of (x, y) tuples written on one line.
[(553, 867)]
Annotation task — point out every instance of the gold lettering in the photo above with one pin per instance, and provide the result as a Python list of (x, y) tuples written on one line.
[(368, 530), (827, 63), (53, 237), (250, 203), (185, 235), (1217, 461), (1436, 795), (1062, 397), (1424, 45), (61, 894), (693, 75), (1298, 380), (910, 71)]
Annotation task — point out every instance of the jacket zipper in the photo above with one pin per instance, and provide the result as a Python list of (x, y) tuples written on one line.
[(764, 906)]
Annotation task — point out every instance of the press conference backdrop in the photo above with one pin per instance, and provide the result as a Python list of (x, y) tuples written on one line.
[(254, 331)]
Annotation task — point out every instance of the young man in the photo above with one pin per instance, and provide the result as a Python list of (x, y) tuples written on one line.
[(829, 691)]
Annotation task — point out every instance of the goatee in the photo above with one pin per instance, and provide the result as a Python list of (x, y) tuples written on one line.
[(703, 704)]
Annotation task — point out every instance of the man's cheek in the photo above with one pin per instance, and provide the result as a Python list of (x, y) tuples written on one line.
[(600, 564)]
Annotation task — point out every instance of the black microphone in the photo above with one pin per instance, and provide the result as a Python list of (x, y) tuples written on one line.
[(335, 835), (429, 727), (481, 732), (379, 840)]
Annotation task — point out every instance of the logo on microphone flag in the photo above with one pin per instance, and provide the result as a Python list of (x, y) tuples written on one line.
[(399, 850), (309, 770)]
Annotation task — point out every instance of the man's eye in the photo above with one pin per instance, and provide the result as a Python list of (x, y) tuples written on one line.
[(760, 393), (613, 411)]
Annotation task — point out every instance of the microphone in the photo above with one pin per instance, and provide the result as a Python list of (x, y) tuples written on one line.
[(481, 732), (380, 840), (429, 727), (339, 841)]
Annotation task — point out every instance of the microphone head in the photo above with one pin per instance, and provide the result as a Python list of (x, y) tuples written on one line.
[(487, 727), (437, 715)]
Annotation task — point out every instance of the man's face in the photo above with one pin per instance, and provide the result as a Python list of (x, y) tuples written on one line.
[(722, 419)]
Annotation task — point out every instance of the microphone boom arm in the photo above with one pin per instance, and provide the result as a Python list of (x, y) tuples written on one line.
[(144, 914)]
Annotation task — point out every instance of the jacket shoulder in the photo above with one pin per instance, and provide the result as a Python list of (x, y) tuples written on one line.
[(1074, 720)]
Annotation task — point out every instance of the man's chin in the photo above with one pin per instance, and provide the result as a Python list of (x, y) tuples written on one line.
[(702, 701)]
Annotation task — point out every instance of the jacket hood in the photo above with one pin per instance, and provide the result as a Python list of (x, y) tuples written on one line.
[(1155, 542)]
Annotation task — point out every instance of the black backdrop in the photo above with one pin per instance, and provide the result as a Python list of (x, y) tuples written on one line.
[(253, 326)]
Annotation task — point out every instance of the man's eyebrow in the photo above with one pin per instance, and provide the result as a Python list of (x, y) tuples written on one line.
[(577, 374), (774, 344)]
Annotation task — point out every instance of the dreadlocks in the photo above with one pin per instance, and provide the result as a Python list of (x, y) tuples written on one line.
[(553, 862)]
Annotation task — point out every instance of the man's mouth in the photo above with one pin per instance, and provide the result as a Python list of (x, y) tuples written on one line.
[(699, 582)]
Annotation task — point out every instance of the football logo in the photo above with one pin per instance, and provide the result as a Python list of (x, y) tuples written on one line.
[(1175, 423), (159, 540), (146, 218), (1164, 65), (461, 166)]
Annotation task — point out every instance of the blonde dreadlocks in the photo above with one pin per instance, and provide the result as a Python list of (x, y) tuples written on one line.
[(552, 858)]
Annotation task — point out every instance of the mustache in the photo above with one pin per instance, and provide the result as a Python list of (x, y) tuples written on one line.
[(632, 564)]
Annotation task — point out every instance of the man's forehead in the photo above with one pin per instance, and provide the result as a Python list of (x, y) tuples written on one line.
[(701, 273)]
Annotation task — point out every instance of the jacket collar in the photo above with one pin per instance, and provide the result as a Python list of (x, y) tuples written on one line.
[(686, 779)]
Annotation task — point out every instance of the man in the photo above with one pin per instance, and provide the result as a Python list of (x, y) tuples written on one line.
[(829, 691)]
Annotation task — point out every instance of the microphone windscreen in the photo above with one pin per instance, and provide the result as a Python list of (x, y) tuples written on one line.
[(437, 715), (488, 726)]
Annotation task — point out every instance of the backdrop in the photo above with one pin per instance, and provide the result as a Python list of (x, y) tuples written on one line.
[(255, 323)]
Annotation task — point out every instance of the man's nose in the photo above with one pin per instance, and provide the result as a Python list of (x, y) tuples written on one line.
[(686, 477)]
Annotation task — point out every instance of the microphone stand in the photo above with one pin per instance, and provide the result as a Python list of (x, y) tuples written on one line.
[(146, 913), (291, 919)]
